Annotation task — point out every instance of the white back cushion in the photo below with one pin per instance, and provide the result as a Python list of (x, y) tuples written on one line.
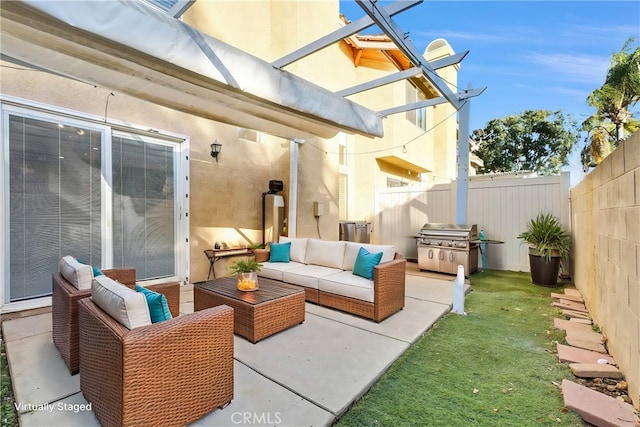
[(125, 305), (298, 248), (78, 274), (325, 253), (352, 248)]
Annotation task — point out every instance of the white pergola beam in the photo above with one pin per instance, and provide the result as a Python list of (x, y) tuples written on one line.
[(414, 106), (402, 75), (341, 34), (395, 33), (465, 94), (448, 60), (470, 93), (391, 78)]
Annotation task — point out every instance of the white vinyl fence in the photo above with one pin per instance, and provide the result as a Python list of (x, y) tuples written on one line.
[(501, 206)]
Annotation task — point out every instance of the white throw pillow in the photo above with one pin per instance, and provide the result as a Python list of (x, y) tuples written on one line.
[(298, 251), (120, 302), (78, 274), (325, 253), (352, 248)]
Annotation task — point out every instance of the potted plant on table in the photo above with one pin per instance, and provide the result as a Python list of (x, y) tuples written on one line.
[(548, 244), (247, 272)]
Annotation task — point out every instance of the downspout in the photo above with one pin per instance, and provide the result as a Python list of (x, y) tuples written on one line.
[(292, 216), (264, 195)]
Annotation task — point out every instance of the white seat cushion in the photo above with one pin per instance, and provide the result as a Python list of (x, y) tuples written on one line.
[(352, 248), (123, 304), (308, 275), (348, 284), (298, 248), (78, 274), (325, 253), (273, 270)]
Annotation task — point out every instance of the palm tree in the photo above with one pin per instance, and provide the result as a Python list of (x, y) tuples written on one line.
[(620, 92)]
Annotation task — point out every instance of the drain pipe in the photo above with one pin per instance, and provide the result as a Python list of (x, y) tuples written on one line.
[(264, 195), (292, 216)]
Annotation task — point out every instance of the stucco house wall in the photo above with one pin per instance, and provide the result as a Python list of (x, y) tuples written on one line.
[(225, 196), (605, 209), (286, 26)]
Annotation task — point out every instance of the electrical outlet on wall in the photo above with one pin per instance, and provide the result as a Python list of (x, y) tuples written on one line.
[(318, 208)]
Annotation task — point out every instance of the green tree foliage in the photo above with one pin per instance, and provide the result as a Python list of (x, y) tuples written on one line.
[(536, 140), (613, 119), (620, 91)]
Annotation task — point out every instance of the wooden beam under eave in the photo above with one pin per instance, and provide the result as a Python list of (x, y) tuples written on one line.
[(356, 57), (394, 60), (424, 87)]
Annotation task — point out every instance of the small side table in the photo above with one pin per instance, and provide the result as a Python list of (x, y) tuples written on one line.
[(217, 254), (482, 244)]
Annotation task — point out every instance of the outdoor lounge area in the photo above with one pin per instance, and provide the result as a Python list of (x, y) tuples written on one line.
[(309, 374), (135, 139)]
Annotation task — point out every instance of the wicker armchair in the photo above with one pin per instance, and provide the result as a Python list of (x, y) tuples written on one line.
[(64, 310), (165, 374)]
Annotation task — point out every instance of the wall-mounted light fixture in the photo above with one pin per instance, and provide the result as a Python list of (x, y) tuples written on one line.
[(216, 147)]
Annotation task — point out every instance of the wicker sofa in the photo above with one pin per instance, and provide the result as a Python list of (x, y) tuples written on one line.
[(64, 309), (165, 374), (324, 270)]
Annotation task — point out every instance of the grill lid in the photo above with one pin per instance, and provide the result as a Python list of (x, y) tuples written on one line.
[(460, 231)]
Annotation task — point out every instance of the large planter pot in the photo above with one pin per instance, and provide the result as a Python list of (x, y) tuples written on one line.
[(544, 273)]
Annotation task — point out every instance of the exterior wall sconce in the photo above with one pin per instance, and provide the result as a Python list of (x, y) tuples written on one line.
[(216, 147)]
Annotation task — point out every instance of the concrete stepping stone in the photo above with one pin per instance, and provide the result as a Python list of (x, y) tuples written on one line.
[(595, 370), (578, 314), (573, 292), (567, 297), (579, 320), (567, 324), (567, 353), (571, 305), (597, 408), (586, 339)]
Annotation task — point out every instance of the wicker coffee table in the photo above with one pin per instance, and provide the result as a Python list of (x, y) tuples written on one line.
[(275, 307)]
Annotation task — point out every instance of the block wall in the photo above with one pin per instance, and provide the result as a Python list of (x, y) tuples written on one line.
[(605, 210)]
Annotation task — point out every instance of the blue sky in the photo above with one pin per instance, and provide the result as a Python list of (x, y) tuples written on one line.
[(529, 54)]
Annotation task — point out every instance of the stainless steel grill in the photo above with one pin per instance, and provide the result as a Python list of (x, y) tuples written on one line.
[(442, 247)]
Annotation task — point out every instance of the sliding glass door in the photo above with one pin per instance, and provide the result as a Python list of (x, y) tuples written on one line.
[(54, 200), (103, 196), (144, 206)]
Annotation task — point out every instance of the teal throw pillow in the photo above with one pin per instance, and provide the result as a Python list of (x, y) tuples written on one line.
[(365, 262), (280, 252), (158, 306)]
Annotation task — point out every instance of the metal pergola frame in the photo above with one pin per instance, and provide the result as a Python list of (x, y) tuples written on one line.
[(383, 18)]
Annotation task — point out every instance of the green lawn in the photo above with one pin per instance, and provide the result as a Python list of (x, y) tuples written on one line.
[(8, 416), (496, 366)]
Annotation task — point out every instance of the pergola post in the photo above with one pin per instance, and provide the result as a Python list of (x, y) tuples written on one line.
[(462, 184)]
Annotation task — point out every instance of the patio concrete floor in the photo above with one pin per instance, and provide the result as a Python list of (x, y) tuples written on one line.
[(307, 375)]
